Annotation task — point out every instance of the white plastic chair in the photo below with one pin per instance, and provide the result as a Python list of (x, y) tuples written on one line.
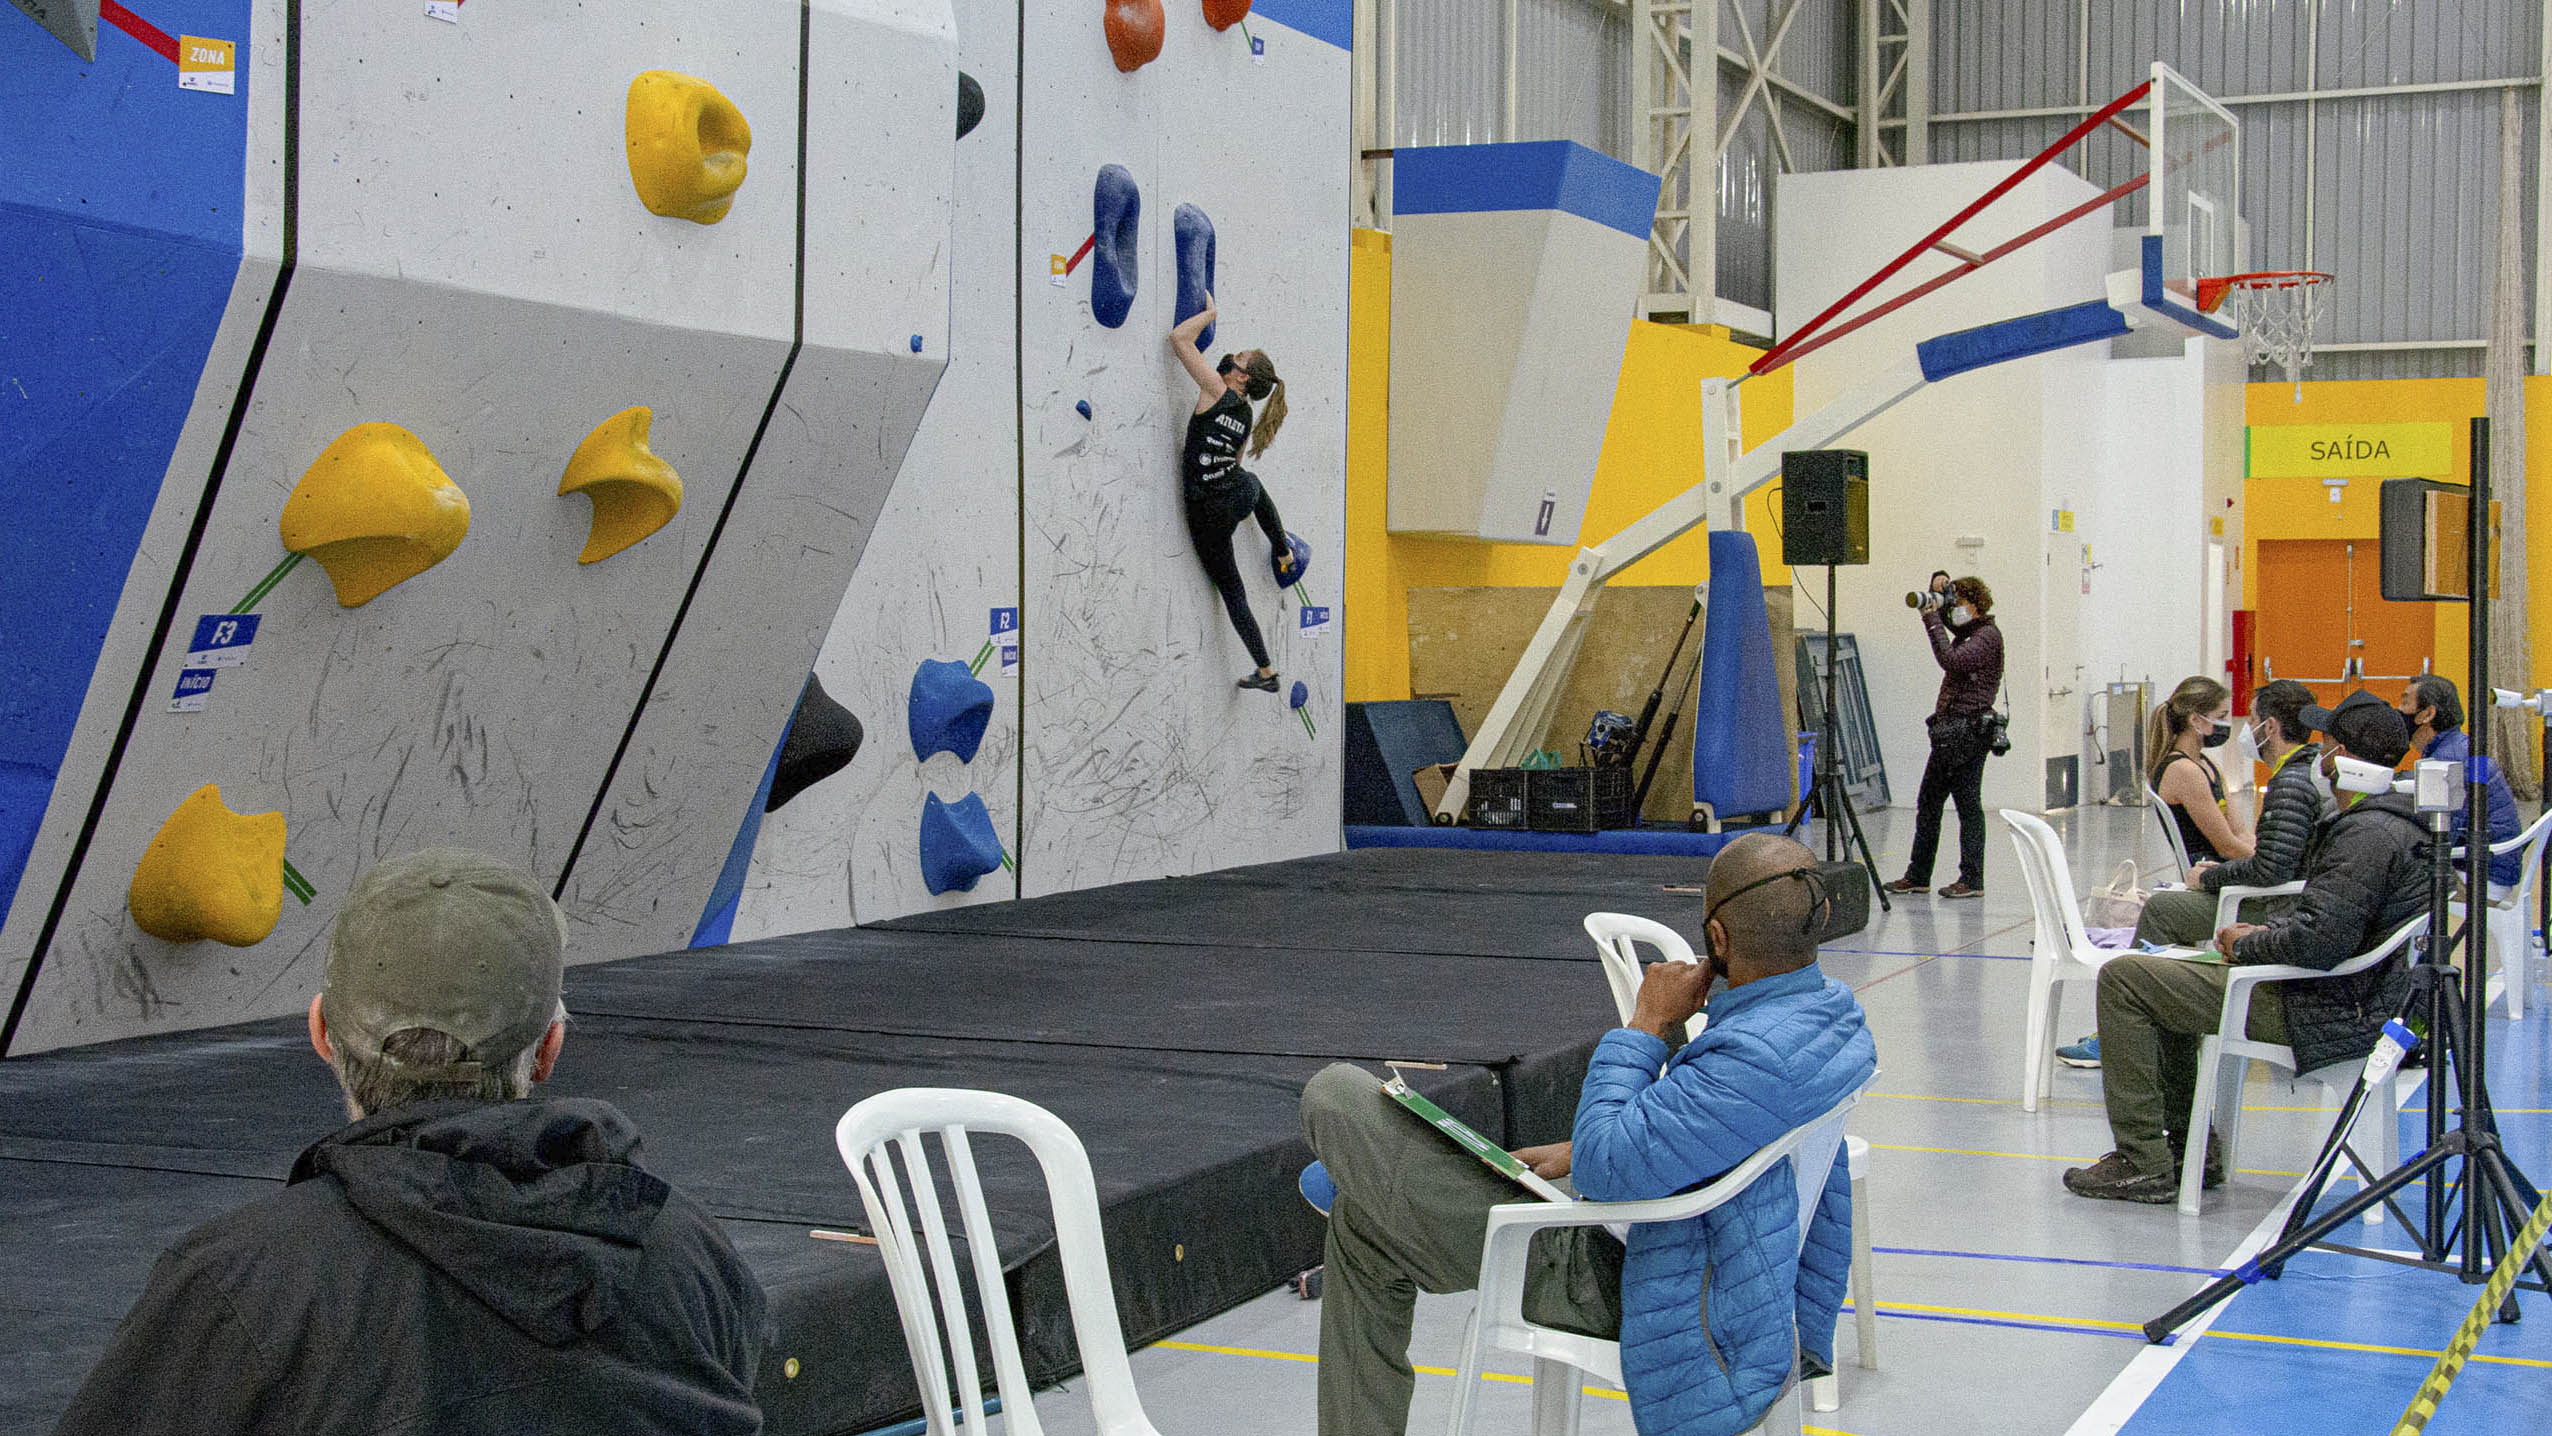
[(2171, 843), (1617, 936), (868, 1135), (2229, 900), (2222, 1065), (2512, 913), (1498, 1323), (2060, 948)]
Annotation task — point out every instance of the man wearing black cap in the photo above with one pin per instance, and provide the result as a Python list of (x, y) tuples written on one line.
[(2365, 873), (460, 1259)]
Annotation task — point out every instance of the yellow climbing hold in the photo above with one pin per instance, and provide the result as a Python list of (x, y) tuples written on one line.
[(375, 510), (687, 145), (212, 873), (634, 492)]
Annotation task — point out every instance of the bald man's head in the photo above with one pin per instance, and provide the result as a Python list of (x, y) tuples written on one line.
[(1767, 929)]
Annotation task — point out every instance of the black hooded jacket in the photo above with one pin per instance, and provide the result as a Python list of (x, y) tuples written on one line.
[(449, 1267), (2365, 873)]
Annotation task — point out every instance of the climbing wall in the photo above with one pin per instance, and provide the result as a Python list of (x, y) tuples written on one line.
[(1045, 480), (470, 262), (945, 557), (1141, 759)]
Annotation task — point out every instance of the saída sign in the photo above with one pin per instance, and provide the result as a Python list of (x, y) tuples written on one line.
[(2351, 451)]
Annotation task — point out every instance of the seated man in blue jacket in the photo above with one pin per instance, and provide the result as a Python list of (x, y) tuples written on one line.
[(1710, 1312), (2434, 710)]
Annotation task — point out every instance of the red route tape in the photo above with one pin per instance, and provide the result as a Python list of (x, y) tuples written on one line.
[(1080, 254), (139, 28)]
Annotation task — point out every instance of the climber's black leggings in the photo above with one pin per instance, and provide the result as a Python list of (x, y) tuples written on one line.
[(1211, 517)]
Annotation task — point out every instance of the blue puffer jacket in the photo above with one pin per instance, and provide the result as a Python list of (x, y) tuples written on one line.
[(1713, 1307)]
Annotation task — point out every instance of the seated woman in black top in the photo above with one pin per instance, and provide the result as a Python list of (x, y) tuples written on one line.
[(1217, 491), (2197, 716)]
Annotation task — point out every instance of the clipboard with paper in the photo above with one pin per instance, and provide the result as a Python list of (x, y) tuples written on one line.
[(1496, 1158)]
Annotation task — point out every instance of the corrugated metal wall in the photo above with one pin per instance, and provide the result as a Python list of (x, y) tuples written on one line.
[(2403, 201)]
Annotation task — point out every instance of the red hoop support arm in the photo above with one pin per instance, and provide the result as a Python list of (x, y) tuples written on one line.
[(1799, 342)]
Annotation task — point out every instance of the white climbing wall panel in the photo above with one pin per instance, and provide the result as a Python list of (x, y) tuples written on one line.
[(474, 265), (1121, 751)]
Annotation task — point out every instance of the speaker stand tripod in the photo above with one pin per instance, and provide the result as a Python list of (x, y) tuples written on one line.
[(1833, 801)]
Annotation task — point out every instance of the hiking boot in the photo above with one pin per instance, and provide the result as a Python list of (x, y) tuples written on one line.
[(1962, 890), (2084, 1054), (2114, 1178), (1263, 682), (1906, 885)]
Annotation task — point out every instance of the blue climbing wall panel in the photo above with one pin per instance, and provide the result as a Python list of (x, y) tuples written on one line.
[(1740, 748), (120, 225)]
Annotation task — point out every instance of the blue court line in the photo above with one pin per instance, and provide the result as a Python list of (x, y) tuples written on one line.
[(2061, 1329), (2055, 1261), (1886, 952)]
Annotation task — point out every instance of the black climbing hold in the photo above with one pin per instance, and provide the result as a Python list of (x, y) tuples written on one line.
[(822, 739), (970, 103)]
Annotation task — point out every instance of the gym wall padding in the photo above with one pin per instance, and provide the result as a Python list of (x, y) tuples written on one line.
[(605, 725), (1740, 743), (1387, 743)]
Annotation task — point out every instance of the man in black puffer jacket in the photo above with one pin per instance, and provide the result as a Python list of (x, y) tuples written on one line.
[(2296, 800), (2365, 874)]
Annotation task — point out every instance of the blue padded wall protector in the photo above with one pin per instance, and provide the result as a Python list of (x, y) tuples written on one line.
[(1740, 749), (947, 709), (958, 844), (1194, 234), (717, 919), (1116, 212)]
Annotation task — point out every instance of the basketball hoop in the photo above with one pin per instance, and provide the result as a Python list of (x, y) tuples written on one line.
[(2275, 309)]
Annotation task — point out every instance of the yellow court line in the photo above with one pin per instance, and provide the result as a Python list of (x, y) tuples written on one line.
[(2045, 1157), (2072, 1102), (2379, 1350), (2052, 1322), (1606, 1392)]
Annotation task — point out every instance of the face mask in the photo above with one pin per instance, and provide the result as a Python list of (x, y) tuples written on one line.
[(2247, 744), (1962, 614), (2216, 737)]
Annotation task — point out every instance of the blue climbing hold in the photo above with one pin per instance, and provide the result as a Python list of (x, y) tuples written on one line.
[(947, 710), (958, 844), (1082, 408), (1293, 562), (1300, 696), (1194, 234), (1115, 207), (917, 344)]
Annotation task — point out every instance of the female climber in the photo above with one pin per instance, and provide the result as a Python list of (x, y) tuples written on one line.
[(1217, 491)]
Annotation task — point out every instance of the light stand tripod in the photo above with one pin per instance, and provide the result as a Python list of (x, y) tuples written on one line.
[(2495, 1197), (1834, 801)]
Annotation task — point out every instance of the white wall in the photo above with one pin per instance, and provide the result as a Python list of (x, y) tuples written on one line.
[(1984, 456)]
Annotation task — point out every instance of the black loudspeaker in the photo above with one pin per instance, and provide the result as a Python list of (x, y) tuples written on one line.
[(1825, 506), (2426, 536)]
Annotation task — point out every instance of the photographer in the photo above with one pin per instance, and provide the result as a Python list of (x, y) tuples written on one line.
[(1964, 730)]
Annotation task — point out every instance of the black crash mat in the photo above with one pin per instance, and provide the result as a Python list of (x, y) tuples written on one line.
[(1369, 900), (107, 1154)]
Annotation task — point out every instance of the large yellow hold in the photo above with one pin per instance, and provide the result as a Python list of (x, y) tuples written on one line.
[(634, 492), (375, 510), (212, 873), (687, 145)]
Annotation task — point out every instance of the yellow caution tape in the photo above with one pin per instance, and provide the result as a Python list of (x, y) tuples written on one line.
[(2458, 1351)]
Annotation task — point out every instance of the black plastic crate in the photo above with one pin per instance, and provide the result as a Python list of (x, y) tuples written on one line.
[(1578, 800), (1498, 798)]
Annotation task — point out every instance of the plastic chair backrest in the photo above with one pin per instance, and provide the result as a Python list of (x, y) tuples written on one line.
[(2059, 913), (2530, 871), (870, 1137), (2170, 828), (1617, 936)]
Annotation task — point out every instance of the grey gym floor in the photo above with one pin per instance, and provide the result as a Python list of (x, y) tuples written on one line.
[(1968, 1344)]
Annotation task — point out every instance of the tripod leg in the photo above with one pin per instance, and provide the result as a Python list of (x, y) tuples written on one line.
[(1861, 841), (2509, 1185)]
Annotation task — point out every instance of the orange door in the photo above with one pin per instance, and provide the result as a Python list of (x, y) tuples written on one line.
[(2324, 620)]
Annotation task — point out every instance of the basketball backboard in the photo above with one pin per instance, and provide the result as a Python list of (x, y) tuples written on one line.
[(2193, 202)]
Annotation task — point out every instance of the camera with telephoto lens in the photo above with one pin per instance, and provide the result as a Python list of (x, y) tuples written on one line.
[(1925, 600)]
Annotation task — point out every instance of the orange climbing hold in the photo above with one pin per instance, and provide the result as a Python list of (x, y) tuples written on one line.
[(1134, 32), (1224, 14)]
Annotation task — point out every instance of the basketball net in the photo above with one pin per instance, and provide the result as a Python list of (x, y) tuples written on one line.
[(2275, 310)]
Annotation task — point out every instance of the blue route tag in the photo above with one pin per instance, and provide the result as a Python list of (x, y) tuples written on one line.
[(222, 640), (194, 686), (1315, 620)]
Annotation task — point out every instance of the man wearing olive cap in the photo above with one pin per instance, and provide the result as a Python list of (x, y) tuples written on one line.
[(464, 1257)]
